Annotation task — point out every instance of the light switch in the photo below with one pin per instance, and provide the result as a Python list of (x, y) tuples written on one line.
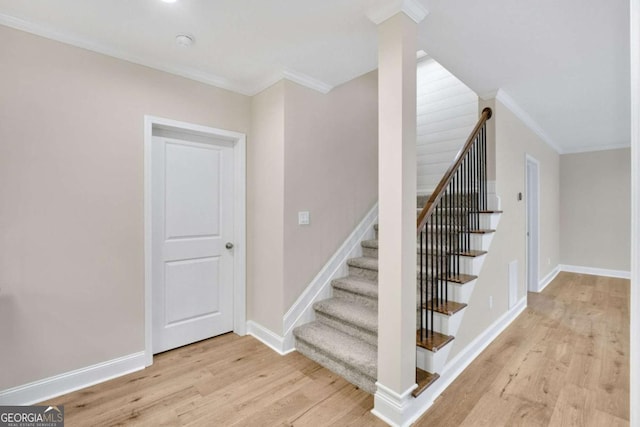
[(303, 218)]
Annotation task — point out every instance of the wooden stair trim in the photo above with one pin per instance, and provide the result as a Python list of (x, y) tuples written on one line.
[(449, 308), (482, 231), (434, 341), (460, 278), (424, 379), (471, 253)]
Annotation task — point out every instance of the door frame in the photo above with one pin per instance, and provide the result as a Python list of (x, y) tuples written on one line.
[(533, 240), (239, 233)]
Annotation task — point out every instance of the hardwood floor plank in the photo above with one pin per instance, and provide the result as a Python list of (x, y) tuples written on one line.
[(572, 337), (563, 361)]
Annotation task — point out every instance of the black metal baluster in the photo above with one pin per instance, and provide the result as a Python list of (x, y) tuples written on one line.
[(421, 287), (433, 273)]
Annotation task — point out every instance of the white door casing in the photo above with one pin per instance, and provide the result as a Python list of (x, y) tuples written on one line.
[(532, 180), (194, 206)]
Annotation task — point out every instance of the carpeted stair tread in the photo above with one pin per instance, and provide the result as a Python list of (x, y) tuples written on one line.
[(373, 243), (357, 285), (364, 262), (358, 315), (338, 346)]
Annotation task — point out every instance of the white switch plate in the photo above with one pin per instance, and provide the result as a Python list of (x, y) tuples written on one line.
[(303, 218)]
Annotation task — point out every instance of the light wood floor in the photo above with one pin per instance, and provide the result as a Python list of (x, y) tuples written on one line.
[(563, 362)]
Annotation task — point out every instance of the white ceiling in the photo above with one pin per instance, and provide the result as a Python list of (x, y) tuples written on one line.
[(562, 65)]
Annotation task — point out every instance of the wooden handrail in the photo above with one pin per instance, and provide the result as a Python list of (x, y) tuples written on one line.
[(440, 189)]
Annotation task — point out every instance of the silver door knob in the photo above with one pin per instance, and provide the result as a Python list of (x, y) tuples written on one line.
[(229, 245)]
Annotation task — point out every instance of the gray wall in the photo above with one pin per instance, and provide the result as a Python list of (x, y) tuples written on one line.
[(514, 140), (311, 152), (595, 209), (72, 210)]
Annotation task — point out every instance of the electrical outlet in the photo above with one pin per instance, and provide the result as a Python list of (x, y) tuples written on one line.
[(548, 261), (491, 302), (303, 218)]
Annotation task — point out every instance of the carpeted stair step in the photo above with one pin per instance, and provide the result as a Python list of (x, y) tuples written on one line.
[(347, 356), (363, 267), (356, 290), (356, 320), (370, 248)]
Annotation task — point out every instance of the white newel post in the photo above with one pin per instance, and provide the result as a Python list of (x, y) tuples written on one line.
[(397, 212)]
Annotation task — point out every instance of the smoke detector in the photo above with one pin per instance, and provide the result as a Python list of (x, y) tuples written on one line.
[(185, 40)]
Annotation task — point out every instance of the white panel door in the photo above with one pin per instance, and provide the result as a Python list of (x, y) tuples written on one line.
[(192, 221)]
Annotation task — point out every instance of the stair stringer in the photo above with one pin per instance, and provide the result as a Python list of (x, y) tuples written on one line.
[(431, 361)]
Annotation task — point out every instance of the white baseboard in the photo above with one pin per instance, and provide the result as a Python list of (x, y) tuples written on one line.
[(548, 278), (268, 338), (462, 360), (621, 274), (68, 382), (319, 288)]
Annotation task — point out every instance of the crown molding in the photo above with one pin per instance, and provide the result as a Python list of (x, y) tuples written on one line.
[(305, 80), (77, 41), (189, 73), (294, 76), (593, 148), (412, 8), (508, 102)]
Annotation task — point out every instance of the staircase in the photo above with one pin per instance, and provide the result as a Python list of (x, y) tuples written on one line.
[(343, 338), (453, 239)]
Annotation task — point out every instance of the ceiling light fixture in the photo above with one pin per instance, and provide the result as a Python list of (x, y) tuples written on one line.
[(169, 1), (185, 40)]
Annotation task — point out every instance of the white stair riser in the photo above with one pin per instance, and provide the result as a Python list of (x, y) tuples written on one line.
[(468, 265), (489, 221), (447, 325), (471, 265), (430, 361), (481, 242), (478, 242), (461, 293)]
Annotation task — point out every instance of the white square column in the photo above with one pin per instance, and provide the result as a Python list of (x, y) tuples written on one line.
[(635, 212), (397, 217)]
